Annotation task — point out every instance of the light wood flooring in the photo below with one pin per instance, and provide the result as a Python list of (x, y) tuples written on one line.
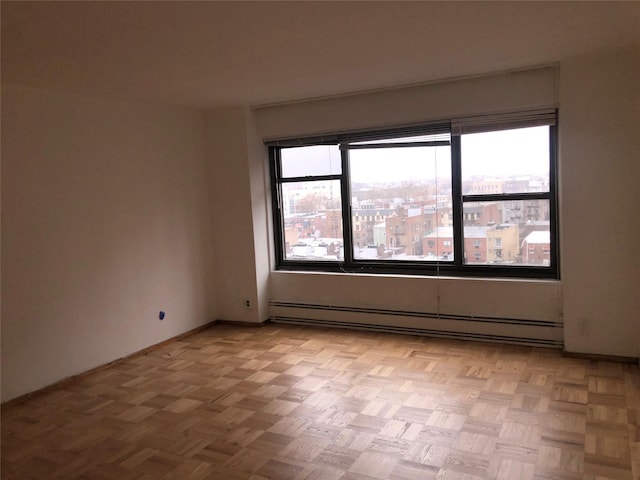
[(283, 402)]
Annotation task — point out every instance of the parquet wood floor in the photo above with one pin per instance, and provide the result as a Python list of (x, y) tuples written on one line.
[(296, 403)]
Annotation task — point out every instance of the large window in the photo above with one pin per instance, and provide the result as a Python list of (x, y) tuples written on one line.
[(473, 196)]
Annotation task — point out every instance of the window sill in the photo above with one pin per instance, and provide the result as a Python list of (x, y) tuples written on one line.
[(509, 280)]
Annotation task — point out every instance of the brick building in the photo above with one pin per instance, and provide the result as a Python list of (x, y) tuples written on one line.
[(536, 248)]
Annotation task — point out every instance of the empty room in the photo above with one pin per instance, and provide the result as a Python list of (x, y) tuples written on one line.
[(320, 240)]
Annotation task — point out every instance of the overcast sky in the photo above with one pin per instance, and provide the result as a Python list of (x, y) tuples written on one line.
[(493, 154)]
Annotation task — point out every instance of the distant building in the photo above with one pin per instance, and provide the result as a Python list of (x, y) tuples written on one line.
[(536, 248), (486, 187), (484, 244), (503, 244), (363, 222), (525, 211), (534, 226), (328, 223), (290, 237), (380, 234), (475, 244), (321, 249), (438, 244), (405, 229), (526, 184), (481, 214)]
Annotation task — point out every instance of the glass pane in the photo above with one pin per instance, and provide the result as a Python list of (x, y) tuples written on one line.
[(506, 161), (312, 220), (309, 161), (514, 232), (399, 197)]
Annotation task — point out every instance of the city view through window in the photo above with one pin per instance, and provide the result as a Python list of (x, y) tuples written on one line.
[(401, 200)]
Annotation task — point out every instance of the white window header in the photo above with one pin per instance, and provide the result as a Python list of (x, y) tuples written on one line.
[(467, 99)]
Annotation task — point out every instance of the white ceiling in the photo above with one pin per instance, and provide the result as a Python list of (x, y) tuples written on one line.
[(245, 53)]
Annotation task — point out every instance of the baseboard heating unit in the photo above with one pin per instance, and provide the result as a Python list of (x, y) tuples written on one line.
[(539, 333)]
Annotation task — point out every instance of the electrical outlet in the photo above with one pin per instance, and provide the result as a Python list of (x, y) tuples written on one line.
[(247, 303)]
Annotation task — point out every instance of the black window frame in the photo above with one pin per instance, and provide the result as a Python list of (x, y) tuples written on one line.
[(456, 267)]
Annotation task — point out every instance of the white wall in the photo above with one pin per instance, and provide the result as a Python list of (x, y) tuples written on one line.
[(442, 100), (105, 222), (238, 215), (395, 298), (259, 182), (113, 211), (502, 298), (600, 197), (598, 297), (512, 299)]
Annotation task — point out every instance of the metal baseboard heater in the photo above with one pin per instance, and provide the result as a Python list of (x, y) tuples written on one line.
[(539, 333)]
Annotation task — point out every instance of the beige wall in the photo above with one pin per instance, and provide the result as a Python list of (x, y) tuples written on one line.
[(105, 222)]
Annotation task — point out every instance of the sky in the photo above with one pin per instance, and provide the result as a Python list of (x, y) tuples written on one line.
[(494, 154)]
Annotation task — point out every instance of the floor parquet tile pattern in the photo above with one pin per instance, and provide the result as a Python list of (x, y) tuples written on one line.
[(297, 403)]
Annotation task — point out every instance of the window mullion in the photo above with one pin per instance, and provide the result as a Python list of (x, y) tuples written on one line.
[(345, 189), (506, 197), (365, 146), (456, 198), (553, 200), (276, 196), (310, 178)]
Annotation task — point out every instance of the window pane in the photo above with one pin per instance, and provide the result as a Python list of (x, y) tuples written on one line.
[(312, 220), (399, 196), (313, 160), (506, 161), (514, 232)]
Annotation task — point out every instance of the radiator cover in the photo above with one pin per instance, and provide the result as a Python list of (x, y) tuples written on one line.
[(541, 333)]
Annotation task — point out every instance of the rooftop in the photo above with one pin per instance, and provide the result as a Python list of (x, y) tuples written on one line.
[(540, 236)]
